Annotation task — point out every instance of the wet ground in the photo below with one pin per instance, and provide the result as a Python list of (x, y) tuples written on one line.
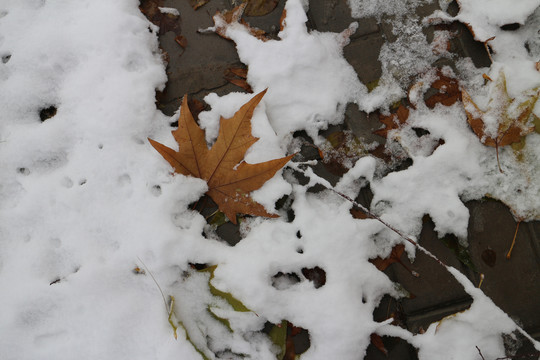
[(198, 65)]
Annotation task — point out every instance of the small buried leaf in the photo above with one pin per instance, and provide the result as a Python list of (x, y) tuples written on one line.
[(165, 21), (224, 321), (224, 19), (195, 4), (237, 76), (393, 121), (377, 341), (217, 219), (341, 151), (395, 256), (372, 85), (448, 92), (182, 41), (278, 335), (235, 303), (260, 7)]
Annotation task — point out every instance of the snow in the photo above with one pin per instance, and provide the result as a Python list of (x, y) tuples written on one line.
[(96, 233)]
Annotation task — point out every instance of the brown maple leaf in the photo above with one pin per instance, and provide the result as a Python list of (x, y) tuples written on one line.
[(513, 119), (229, 178)]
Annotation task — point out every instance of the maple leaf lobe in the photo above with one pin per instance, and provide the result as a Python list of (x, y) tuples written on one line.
[(229, 178)]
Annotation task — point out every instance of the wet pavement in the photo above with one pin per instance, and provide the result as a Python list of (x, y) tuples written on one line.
[(514, 285)]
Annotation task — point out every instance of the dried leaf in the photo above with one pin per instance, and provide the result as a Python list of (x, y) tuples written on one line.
[(513, 121), (341, 151), (278, 335), (376, 340), (448, 91), (238, 76), (222, 21), (181, 40), (195, 107), (229, 178), (395, 256), (195, 4), (166, 21), (260, 7), (393, 121), (234, 302)]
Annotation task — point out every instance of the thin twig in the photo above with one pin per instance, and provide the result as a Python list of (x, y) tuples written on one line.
[(513, 241), (480, 352)]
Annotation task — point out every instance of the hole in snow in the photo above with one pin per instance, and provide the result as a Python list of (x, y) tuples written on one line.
[(420, 132), (298, 234), (316, 275), (5, 58), (300, 250), (23, 170), (47, 113), (300, 339), (155, 190), (283, 281), (197, 266), (100, 146), (510, 27), (290, 215), (82, 182)]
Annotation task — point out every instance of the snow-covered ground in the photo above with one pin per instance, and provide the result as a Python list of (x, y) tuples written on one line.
[(85, 200)]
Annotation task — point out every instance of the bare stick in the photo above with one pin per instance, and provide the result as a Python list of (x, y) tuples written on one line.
[(513, 242)]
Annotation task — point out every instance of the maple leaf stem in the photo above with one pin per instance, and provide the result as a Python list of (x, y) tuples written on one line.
[(513, 241)]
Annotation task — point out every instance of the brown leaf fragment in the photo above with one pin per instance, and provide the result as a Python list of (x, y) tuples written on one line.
[(237, 76), (395, 256), (377, 341), (195, 4), (165, 21), (393, 121), (448, 91), (358, 214), (230, 179), (195, 107), (224, 19), (260, 7), (240, 72), (282, 20), (181, 40)]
